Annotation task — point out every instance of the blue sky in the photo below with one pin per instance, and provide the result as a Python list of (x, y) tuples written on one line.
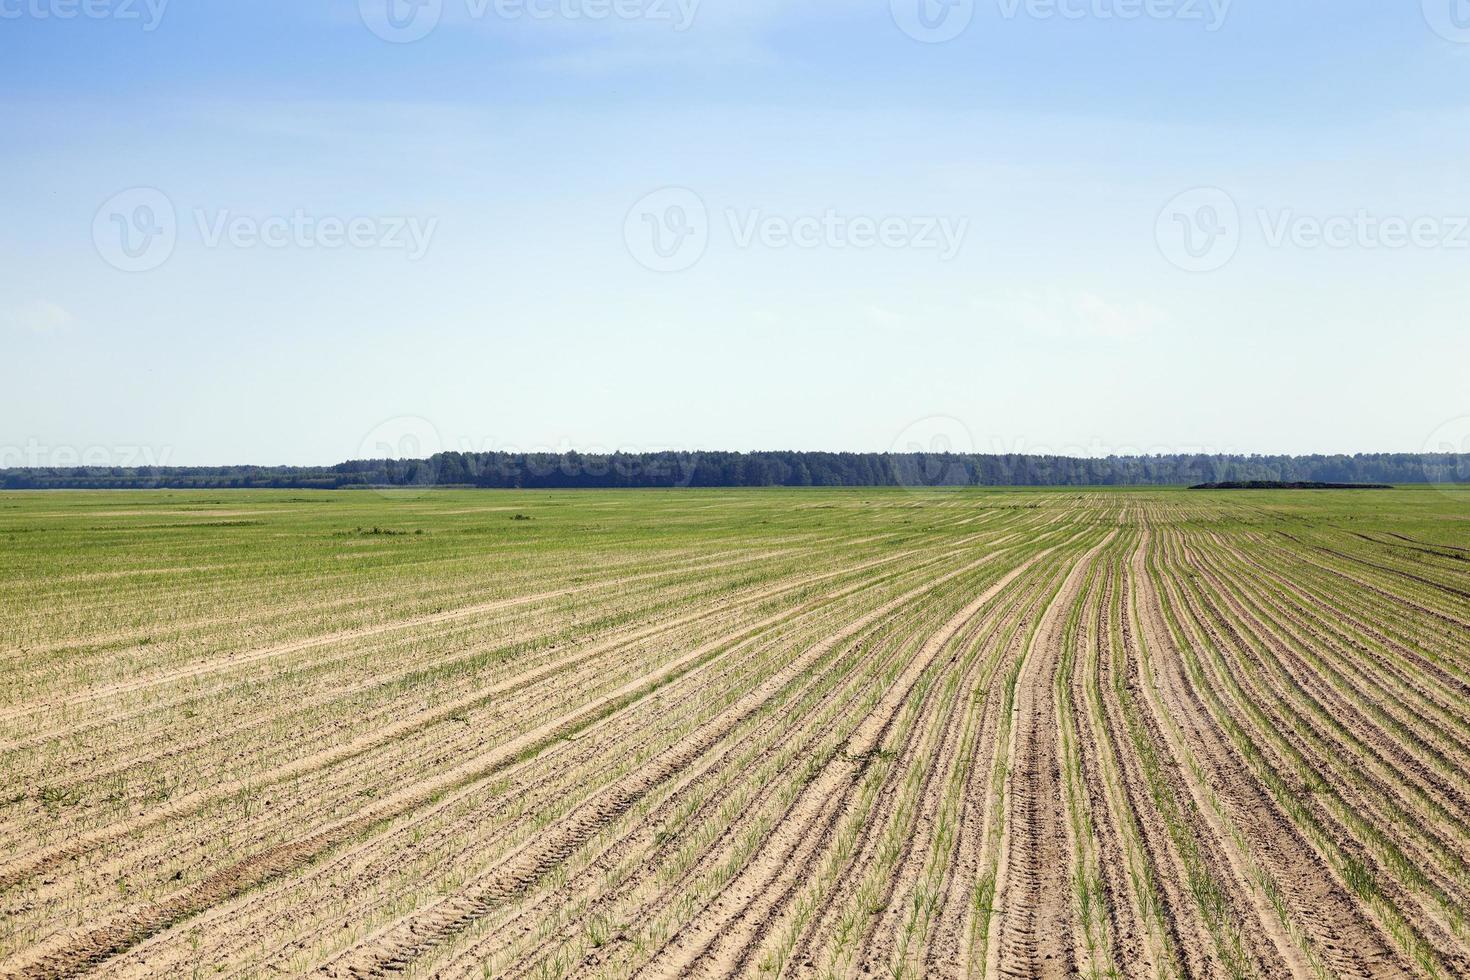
[(875, 240)]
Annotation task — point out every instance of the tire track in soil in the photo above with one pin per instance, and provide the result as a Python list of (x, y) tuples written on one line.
[(717, 850), (953, 885), (978, 950), (1034, 884), (1099, 928), (908, 571), (948, 954), (1142, 945), (879, 826), (713, 849), (886, 942), (1185, 936), (23, 867), (409, 940), (558, 764), (1005, 624), (687, 777), (128, 929), (748, 906), (830, 704)]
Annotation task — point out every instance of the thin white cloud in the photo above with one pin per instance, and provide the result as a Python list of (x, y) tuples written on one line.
[(41, 316), (1066, 315)]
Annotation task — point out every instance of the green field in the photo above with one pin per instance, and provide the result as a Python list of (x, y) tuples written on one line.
[(735, 732)]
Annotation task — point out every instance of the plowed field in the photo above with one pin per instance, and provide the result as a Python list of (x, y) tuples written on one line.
[(724, 733)]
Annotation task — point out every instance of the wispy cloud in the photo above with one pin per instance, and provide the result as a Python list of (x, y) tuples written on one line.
[(41, 316), (1082, 315)]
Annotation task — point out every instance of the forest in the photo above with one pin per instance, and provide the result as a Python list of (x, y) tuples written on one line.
[(498, 470)]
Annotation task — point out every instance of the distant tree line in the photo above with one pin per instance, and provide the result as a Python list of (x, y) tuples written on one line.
[(762, 469)]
